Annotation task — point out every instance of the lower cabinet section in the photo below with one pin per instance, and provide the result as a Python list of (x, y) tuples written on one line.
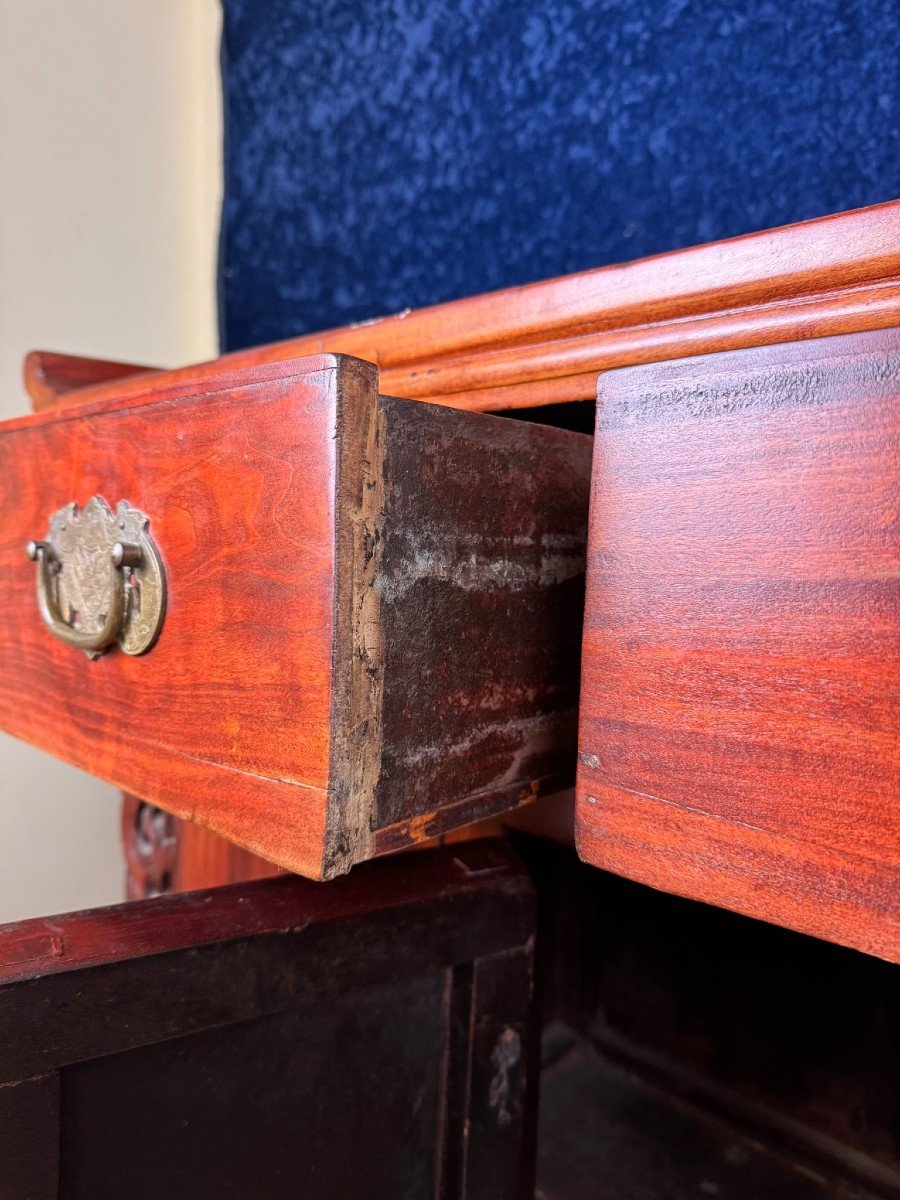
[(366, 1038), (690, 1052)]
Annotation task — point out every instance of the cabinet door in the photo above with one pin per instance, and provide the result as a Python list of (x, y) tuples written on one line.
[(739, 711), (368, 1037)]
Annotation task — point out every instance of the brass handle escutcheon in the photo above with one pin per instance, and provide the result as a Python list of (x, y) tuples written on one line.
[(100, 578)]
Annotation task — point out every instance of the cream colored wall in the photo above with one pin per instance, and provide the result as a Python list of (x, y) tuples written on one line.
[(110, 177)]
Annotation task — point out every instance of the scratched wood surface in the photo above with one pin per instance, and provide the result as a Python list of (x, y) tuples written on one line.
[(480, 589), (545, 343), (221, 1045), (739, 738), (373, 609)]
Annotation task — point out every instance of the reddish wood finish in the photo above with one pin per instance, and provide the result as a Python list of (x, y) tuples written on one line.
[(545, 343), (259, 1031), (373, 624), (49, 376), (164, 854), (739, 729), (211, 723)]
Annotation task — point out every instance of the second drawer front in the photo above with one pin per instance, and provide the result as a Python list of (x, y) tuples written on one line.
[(739, 722)]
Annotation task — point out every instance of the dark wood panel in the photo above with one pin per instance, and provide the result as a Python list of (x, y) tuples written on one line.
[(606, 1132), (789, 1040), (369, 1036), (740, 730), (481, 590), (29, 1138), (332, 1101), (198, 960)]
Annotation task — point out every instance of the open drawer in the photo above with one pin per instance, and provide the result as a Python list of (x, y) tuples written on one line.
[(740, 710), (319, 621)]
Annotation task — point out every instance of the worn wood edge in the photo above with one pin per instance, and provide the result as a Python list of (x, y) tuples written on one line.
[(501, 802), (702, 856), (287, 842), (49, 376), (545, 342), (206, 380), (357, 669), (40, 946), (545, 731), (774, 363)]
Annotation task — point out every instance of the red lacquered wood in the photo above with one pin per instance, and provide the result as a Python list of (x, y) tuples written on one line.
[(373, 621), (226, 720), (164, 854), (741, 672), (48, 377), (546, 342)]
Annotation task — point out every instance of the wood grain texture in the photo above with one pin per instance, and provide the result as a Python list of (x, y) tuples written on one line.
[(480, 582), (739, 722), (48, 377), (545, 343), (372, 624), (226, 720), (260, 1031)]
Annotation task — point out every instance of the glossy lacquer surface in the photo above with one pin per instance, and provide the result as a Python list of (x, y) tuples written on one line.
[(372, 631), (546, 342), (739, 734), (226, 719)]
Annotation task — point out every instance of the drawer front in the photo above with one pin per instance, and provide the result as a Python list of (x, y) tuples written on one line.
[(229, 711), (739, 720), (373, 607)]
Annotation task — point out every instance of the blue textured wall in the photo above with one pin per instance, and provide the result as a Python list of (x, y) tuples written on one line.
[(384, 154)]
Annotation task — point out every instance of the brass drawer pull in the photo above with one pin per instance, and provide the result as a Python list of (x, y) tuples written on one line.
[(100, 578)]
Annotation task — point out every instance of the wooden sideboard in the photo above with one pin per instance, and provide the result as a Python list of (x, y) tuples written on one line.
[(544, 345)]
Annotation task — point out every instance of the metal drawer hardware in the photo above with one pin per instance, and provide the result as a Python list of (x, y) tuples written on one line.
[(100, 578)]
